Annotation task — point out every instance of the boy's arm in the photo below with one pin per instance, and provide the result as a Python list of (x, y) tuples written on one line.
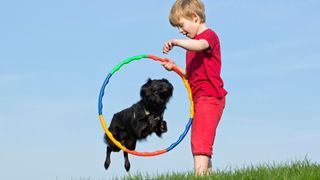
[(183, 71), (188, 44)]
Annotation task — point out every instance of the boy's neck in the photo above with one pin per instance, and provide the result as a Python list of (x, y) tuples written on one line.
[(202, 27)]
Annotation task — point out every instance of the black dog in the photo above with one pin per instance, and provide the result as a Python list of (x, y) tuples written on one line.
[(141, 119)]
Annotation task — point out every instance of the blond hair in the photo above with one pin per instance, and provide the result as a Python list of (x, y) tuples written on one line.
[(186, 9)]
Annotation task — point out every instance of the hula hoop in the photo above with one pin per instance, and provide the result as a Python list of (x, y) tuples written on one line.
[(104, 125)]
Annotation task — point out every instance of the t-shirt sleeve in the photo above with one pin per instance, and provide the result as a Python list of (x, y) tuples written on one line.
[(212, 40)]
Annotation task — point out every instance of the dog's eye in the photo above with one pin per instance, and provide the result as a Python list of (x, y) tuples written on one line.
[(163, 94)]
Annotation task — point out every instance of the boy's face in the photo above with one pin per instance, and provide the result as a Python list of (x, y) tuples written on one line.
[(189, 27)]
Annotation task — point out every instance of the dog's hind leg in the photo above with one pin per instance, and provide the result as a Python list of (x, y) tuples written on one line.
[(108, 161), (126, 161)]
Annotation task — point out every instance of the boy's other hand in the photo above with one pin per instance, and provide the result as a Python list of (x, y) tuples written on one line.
[(168, 46)]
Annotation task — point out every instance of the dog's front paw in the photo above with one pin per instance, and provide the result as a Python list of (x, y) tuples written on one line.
[(163, 126)]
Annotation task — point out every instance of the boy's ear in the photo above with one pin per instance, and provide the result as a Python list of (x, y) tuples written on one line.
[(195, 17)]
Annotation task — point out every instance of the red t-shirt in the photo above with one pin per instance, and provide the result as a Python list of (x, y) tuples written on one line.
[(203, 68)]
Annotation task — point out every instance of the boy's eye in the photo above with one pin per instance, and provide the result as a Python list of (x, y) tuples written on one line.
[(179, 25)]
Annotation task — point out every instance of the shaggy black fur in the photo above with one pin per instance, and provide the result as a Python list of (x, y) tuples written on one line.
[(141, 119)]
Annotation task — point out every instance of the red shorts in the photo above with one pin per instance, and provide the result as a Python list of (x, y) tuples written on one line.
[(207, 114)]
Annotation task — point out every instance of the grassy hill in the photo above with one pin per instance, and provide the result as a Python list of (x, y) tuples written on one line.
[(296, 170)]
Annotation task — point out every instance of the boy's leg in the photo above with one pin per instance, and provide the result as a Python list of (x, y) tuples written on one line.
[(203, 132), (201, 165), (209, 169)]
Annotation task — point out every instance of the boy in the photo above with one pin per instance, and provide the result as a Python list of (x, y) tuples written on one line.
[(203, 66)]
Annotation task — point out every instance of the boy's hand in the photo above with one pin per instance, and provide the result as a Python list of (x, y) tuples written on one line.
[(168, 65), (168, 46)]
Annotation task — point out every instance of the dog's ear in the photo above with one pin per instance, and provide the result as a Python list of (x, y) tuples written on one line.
[(149, 81), (170, 86), (145, 88), (165, 80)]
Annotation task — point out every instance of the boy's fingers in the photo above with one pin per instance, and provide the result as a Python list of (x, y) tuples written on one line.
[(168, 65), (165, 49)]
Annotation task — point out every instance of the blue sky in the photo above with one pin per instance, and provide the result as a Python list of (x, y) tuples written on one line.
[(54, 56)]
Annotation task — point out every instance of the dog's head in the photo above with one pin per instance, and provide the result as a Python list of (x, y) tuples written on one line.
[(155, 94)]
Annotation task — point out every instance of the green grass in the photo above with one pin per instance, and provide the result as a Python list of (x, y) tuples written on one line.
[(296, 170)]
